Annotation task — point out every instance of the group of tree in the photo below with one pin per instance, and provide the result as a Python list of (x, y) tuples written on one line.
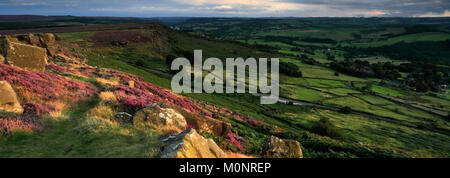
[(428, 52), (364, 69), (425, 77), (290, 69), (422, 77)]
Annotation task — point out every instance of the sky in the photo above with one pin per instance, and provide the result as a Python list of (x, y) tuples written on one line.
[(230, 8)]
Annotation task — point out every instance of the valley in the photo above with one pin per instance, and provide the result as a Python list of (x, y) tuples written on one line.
[(340, 95)]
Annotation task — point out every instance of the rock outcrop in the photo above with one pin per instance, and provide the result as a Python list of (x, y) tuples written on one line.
[(210, 125), (207, 124), (43, 40), (189, 144), (27, 57), (281, 148), (8, 99), (160, 117)]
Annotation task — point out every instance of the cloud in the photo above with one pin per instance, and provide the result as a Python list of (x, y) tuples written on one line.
[(244, 8), (21, 3), (432, 14)]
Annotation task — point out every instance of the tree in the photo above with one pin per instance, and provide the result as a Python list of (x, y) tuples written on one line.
[(325, 127), (421, 86), (345, 110), (290, 69)]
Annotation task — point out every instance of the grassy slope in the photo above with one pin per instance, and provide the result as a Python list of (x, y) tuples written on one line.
[(76, 134), (273, 114)]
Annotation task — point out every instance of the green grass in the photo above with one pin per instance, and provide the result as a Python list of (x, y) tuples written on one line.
[(321, 85), (294, 53), (301, 93), (221, 50), (310, 71), (105, 59), (387, 91), (380, 59), (359, 105), (325, 83), (269, 43), (343, 91), (77, 135), (295, 119), (376, 100), (74, 36), (369, 131), (428, 36)]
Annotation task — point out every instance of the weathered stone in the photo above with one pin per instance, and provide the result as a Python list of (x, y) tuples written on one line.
[(207, 124), (43, 40), (282, 148), (33, 39), (160, 117), (189, 144), (8, 99), (48, 41), (11, 39), (124, 118), (27, 57)]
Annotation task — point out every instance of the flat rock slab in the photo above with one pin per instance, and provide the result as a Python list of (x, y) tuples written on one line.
[(27, 57), (8, 99)]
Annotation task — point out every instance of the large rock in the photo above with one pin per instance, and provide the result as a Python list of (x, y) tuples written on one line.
[(281, 148), (8, 99), (160, 117), (207, 124), (47, 41), (189, 144), (27, 57), (43, 40)]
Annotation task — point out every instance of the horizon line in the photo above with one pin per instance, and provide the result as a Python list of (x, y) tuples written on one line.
[(222, 16)]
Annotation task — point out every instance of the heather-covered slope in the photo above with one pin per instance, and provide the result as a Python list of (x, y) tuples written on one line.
[(70, 111)]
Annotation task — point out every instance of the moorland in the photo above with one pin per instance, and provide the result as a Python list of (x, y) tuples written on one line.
[(352, 87)]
